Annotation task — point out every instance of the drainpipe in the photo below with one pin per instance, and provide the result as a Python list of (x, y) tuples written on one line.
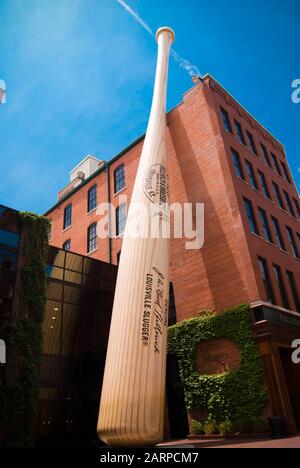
[(109, 211)]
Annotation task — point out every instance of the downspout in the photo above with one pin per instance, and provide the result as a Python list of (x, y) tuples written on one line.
[(109, 211)]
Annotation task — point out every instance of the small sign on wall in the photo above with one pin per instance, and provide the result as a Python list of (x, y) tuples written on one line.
[(215, 357)]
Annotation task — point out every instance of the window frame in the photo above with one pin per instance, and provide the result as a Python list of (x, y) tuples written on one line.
[(251, 175), (119, 181), (237, 164), (67, 221), (266, 155), (266, 279), (292, 241), (226, 120), (92, 240), (276, 164), (281, 286), (278, 233), (265, 225), (121, 221), (252, 142), (65, 244), (252, 221), (92, 198), (239, 131)]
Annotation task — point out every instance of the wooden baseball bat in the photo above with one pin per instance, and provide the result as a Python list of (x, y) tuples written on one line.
[(133, 393)]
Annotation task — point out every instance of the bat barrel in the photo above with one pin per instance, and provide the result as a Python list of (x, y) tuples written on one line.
[(133, 393)]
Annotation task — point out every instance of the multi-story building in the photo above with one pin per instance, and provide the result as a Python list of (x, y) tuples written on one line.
[(221, 156)]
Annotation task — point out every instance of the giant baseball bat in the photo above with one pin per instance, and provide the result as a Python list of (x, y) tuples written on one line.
[(133, 393)]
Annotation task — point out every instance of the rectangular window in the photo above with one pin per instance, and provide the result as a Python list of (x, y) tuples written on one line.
[(278, 234), (92, 238), (119, 178), (252, 142), (92, 198), (265, 225), (266, 155), (239, 132), (296, 203), (226, 120), (281, 286), (276, 164), (67, 216), (251, 216), (292, 242), (289, 204), (251, 175), (237, 164), (294, 289), (67, 245), (120, 219), (264, 185), (286, 172), (264, 271), (278, 196)]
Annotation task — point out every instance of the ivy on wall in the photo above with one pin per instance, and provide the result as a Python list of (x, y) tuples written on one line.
[(230, 396), (19, 395)]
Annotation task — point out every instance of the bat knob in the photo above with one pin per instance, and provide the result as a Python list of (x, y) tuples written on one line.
[(165, 29)]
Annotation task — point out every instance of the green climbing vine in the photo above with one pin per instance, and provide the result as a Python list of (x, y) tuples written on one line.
[(230, 396), (19, 395)]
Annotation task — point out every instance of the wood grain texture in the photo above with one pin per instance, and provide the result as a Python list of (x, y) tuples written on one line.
[(133, 393)]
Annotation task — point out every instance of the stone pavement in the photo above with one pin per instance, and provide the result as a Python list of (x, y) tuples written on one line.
[(290, 442)]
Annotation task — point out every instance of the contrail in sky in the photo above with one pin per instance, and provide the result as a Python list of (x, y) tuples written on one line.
[(183, 63)]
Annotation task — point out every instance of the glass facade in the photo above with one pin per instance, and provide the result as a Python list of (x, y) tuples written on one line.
[(76, 327)]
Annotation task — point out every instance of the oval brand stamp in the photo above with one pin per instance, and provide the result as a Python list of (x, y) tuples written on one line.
[(156, 185)]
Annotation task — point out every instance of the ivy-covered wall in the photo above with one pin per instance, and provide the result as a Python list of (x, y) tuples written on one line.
[(233, 395), (24, 340)]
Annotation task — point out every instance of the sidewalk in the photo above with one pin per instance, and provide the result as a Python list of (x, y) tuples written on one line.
[(290, 442)]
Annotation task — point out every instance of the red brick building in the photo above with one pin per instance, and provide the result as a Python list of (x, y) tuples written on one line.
[(221, 156)]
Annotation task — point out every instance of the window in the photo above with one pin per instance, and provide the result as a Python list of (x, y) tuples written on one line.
[(251, 142), (265, 225), (226, 120), (67, 245), (251, 175), (266, 155), (278, 196), (264, 271), (296, 203), (240, 132), (292, 241), (251, 216), (237, 164), (92, 198), (278, 235), (92, 238), (67, 216), (286, 172), (264, 185), (276, 165), (281, 286), (294, 290), (119, 178), (289, 204), (120, 219)]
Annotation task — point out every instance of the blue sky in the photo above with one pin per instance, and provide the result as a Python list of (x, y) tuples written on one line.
[(79, 76)]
